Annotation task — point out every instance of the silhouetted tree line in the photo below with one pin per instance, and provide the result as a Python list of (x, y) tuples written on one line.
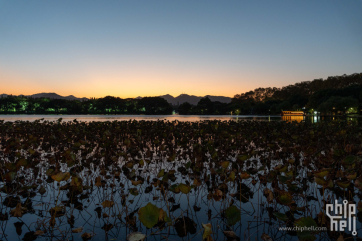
[(204, 107), (106, 105), (317, 95), (334, 95)]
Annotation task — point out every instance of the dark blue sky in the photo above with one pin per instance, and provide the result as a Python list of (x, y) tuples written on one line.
[(131, 48)]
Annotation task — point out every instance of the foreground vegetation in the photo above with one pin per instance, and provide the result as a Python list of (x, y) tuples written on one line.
[(158, 180), (334, 95)]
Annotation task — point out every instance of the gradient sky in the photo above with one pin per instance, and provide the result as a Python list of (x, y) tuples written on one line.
[(94, 48)]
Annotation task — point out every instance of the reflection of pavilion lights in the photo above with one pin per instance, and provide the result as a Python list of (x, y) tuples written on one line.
[(293, 118), (237, 114)]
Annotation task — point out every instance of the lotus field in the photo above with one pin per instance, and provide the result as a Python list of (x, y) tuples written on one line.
[(162, 180)]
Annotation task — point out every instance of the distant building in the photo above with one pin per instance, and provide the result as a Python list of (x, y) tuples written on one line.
[(292, 113)]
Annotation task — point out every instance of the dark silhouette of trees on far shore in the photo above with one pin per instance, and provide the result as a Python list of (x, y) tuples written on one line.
[(334, 95)]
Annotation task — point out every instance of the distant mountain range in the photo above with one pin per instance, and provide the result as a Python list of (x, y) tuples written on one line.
[(51, 96), (192, 99)]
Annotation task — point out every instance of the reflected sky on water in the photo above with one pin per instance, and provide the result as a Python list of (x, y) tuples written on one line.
[(136, 117), (192, 118)]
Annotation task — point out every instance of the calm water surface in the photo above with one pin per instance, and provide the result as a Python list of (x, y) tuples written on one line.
[(191, 118)]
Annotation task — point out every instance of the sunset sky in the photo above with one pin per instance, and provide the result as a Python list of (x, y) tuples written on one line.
[(94, 48)]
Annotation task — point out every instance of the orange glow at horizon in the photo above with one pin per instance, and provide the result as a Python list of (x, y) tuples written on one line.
[(128, 49), (126, 85)]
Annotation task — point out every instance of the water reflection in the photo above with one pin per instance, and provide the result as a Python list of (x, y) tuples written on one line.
[(191, 118), (317, 118), (293, 118)]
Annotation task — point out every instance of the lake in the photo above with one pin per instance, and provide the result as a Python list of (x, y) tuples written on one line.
[(191, 118)]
